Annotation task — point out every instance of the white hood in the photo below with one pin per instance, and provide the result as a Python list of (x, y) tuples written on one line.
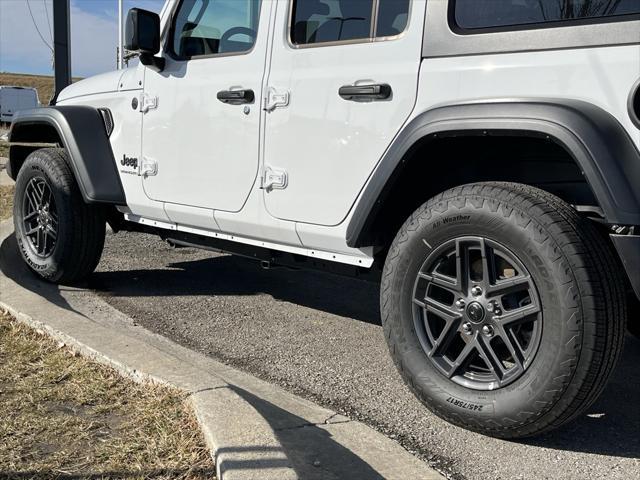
[(103, 83)]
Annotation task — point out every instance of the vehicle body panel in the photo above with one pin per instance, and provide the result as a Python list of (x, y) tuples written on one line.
[(326, 144)]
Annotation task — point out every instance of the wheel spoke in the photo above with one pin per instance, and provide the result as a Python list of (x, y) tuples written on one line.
[(441, 281), (444, 311), (31, 196), (512, 345), (516, 315), (489, 355), (488, 263), (52, 232), (462, 358), (30, 215), (40, 186), (462, 265), (504, 287), (32, 230), (38, 240)]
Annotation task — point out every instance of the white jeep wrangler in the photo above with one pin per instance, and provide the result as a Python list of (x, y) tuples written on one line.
[(478, 157)]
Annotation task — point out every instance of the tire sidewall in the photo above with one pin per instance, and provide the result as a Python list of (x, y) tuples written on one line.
[(542, 384), (38, 166)]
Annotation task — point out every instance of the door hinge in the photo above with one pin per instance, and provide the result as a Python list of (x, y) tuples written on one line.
[(274, 179), (275, 99), (148, 102), (148, 167)]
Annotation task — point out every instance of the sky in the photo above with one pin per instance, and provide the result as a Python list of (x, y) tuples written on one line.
[(94, 35)]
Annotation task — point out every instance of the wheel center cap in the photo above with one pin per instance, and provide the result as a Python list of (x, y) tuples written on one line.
[(475, 312)]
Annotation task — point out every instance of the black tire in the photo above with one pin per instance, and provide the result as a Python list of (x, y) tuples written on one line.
[(580, 322), (75, 249), (633, 321)]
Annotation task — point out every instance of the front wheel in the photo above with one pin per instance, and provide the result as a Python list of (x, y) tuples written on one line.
[(59, 236), (503, 309)]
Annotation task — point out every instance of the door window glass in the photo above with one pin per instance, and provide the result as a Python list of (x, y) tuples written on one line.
[(393, 16), (322, 21), (211, 27), (473, 14)]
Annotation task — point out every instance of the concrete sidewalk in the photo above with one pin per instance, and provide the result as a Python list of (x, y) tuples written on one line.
[(254, 429)]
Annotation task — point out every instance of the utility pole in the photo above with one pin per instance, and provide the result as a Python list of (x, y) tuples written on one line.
[(61, 47), (120, 39)]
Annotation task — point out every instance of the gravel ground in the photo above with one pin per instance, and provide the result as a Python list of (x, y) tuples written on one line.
[(319, 336)]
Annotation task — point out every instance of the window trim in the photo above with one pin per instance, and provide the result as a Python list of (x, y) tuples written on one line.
[(356, 41), (169, 38), (438, 40), (453, 24)]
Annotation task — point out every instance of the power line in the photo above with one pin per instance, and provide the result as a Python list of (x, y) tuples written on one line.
[(36, 25), (46, 12)]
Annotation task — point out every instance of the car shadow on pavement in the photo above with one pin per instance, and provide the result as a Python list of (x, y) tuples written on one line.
[(13, 267), (237, 276)]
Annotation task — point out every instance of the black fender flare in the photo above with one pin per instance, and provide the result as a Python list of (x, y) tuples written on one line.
[(600, 145), (82, 132)]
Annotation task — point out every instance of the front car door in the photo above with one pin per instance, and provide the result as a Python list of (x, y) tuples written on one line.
[(350, 70), (201, 129)]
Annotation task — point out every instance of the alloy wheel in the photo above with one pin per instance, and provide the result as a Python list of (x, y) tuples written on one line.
[(477, 313), (40, 217)]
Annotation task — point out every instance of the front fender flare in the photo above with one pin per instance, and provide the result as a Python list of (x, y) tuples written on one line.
[(82, 133), (599, 144)]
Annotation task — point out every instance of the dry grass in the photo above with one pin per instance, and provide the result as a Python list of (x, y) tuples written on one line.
[(4, 149), (64, 416), (6, 201)]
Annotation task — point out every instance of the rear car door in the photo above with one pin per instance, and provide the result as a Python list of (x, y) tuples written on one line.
[(342, 81), (201, 126)]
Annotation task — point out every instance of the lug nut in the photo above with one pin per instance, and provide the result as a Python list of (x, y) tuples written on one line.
[(466, 328), (460, 304), (488, 330), (475, 291)]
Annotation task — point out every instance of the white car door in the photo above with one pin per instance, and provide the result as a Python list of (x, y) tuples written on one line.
[(342, 81), (201, 126)]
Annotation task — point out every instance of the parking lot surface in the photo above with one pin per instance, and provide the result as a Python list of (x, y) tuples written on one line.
[(319, 336)]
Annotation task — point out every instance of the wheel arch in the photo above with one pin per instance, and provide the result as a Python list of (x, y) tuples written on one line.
[(81, 131), (601, 149)]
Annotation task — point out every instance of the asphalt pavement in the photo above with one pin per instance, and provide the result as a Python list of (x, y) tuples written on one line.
[(319, 336)]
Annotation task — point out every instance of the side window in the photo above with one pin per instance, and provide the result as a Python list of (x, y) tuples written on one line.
[(211, 27), (476, 14), (393, 16), (322, 21)]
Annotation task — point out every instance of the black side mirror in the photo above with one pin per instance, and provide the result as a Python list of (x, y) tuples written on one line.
[(142, 35)]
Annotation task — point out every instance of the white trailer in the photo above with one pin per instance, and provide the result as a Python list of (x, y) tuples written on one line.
[(13, 99)]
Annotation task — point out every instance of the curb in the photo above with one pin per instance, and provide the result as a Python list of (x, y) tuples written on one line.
[(252, 428)]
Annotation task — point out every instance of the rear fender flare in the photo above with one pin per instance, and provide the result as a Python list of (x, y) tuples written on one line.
[(599, 144)]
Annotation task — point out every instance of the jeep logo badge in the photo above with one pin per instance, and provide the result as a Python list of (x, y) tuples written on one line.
[(129, 162)]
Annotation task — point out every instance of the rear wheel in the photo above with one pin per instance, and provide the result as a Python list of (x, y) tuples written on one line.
[(503, 309), (59, 236)]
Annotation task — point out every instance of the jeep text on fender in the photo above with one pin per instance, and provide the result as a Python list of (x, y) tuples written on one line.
[(479, 159)]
